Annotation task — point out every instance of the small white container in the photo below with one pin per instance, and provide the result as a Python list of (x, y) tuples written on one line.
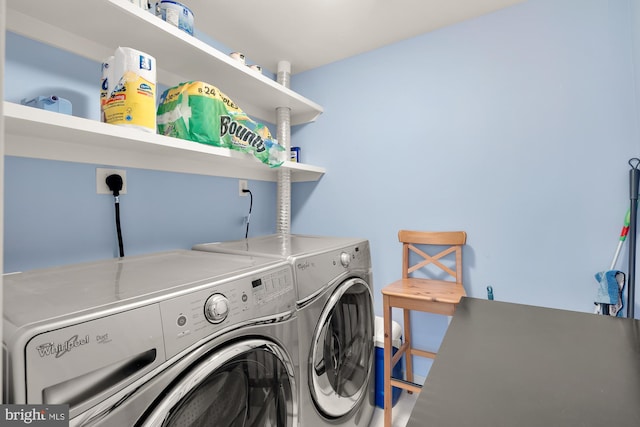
[(238, 57), (176, 14), (257, 68)]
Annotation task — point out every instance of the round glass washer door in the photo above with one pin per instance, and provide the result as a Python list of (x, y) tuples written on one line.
[(342, 350), (249, 383)]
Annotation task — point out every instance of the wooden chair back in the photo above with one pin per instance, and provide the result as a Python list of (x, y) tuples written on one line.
[(447, 244)]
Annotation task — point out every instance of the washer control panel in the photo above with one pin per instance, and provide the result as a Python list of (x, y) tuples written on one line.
[(213, 307)]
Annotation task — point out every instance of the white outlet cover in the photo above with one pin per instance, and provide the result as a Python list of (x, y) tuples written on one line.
[(243, 185), (101, 176)]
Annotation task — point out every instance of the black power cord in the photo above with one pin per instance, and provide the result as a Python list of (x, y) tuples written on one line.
[(114, 182), (246, 234)]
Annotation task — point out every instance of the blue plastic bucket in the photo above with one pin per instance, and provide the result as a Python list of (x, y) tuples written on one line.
[(396, 339)]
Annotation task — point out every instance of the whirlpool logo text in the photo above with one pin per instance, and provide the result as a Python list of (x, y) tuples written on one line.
[(60, 349)]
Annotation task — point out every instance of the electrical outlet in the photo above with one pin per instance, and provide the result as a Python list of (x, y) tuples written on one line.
[(243, 185), (101, 178)]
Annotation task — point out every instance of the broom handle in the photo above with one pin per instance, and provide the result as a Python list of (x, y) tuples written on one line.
[(623, 236), (615, 257)]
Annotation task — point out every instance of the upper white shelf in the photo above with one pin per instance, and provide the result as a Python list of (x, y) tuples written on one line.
[(94, 29), (37, 133)]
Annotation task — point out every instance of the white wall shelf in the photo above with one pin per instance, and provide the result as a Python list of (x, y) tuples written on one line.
[(36, 133), (94, 29)]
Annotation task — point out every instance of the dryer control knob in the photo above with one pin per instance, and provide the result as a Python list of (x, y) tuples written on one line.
[(216, 308), (345, 259)]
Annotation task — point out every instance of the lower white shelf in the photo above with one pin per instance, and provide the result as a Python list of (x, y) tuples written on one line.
[(41, 134)]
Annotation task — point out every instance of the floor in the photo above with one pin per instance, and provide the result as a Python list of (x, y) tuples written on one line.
[(400, 413)]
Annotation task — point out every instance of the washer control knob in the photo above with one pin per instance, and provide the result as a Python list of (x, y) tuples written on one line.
[(216, 308), (345, 259)]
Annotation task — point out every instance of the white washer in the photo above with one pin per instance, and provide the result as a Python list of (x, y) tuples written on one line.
[(335, 319), (179, 338)]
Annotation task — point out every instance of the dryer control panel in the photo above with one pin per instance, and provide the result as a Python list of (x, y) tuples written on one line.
[(214, 308), (312, 272)]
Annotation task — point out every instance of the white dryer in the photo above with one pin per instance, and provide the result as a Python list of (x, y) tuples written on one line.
[(179, 338), (335, 322)]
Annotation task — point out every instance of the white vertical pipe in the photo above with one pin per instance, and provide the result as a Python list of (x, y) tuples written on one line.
[(284, 73), (283, 122)]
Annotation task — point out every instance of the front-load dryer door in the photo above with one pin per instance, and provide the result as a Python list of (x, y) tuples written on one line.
[(248, 383), (342, 350)]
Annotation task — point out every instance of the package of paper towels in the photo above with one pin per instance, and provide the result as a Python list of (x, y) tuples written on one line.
[(106, 80), (129, 78), (198, 111)]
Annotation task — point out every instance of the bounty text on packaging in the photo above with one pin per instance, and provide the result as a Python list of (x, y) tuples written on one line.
[(199, 112)]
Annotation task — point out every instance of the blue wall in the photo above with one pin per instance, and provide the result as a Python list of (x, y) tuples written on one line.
[(635, 28), (516, 127)]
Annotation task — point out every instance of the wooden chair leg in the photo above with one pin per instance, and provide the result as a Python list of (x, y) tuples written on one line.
[(387, 361), (408, 358)]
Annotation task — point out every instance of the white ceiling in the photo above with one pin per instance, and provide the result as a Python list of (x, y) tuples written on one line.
[(311, 33)]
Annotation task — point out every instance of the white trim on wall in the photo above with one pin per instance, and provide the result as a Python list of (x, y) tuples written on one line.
[(3, 14)]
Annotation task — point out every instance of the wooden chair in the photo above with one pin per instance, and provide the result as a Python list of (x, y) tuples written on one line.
[(439, 295)]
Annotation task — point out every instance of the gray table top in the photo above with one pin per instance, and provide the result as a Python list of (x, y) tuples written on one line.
[(503, 364)]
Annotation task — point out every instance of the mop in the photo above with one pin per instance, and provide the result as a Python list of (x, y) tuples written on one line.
[(611, 282), (634, 185)]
